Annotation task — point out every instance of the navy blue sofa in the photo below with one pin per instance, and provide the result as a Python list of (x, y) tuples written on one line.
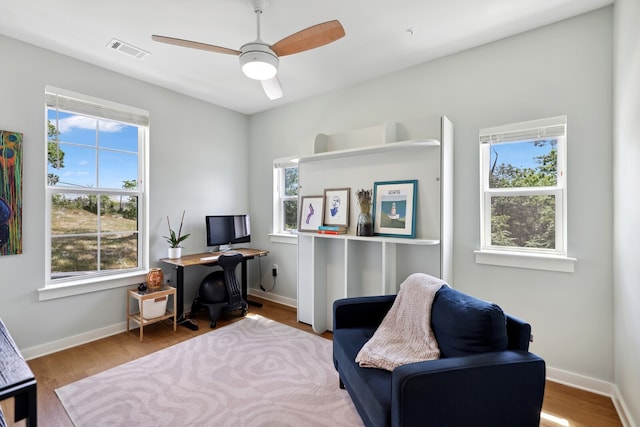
[(485, 375)]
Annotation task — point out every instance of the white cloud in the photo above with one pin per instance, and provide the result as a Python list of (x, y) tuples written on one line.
[(84, 122), (110, 126)]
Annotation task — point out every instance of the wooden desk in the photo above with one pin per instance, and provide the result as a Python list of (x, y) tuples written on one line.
[(17, 380), (211, 259)]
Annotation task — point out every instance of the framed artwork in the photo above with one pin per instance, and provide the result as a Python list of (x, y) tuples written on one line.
[(394, 208), (10, 193), (336, 206), (311, 210)]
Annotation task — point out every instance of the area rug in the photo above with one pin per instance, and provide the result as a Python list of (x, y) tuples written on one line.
[(254, 372)]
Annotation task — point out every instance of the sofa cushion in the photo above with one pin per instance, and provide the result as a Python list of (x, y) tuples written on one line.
[(464, 325)]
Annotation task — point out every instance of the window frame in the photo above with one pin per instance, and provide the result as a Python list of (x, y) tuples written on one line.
[(99, 109), (279, 232), (536, 258)]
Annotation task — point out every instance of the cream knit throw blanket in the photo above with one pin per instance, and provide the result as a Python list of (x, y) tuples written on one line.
[(405, 334)]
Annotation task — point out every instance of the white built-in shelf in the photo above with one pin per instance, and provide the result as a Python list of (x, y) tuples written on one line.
[(380, 239), (335, 266), (374, 149)]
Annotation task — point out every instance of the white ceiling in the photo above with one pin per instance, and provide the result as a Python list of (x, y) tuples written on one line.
[(377, 39)]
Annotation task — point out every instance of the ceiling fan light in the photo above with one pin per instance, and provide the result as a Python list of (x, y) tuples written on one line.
[(259, 65)]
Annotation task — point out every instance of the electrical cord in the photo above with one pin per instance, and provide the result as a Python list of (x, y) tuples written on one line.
[(274, 285), (260, 272)]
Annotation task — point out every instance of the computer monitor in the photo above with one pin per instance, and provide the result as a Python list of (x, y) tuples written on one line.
[(226, 230)]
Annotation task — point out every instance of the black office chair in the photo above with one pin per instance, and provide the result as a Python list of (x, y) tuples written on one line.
[(220, 290)]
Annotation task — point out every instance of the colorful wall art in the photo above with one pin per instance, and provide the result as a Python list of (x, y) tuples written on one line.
[(10, 193)]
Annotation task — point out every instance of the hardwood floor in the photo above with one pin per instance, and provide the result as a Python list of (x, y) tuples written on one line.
[(564, 405)]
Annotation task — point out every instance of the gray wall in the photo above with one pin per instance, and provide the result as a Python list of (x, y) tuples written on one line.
[(564, 68), (627, 205), (198, 156)]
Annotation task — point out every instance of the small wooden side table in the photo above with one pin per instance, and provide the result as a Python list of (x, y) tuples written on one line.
[(139, 317)]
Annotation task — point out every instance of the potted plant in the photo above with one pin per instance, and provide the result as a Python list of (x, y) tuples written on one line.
[(175, 250)]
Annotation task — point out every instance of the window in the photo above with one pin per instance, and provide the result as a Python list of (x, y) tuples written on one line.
[(285, 207), (523, 188), (95, 189)]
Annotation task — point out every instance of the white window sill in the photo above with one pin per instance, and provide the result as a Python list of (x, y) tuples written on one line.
[(526, 260), (287, 238), (95, 284)]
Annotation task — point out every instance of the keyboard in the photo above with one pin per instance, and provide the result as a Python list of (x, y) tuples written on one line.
[(215, 257)]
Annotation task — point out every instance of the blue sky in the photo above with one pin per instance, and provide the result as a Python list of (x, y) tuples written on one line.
[(519, 154), (116, 160)]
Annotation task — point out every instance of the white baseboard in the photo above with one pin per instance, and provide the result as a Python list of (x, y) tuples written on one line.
[(594, 385), (579, 381), (622, 408), (72, 341), (107, 331), (289, 302)]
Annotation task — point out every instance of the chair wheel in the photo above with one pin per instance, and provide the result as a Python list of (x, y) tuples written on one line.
[(212, 325)]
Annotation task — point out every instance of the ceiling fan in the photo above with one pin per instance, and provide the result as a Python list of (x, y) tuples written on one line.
[(260, 60)]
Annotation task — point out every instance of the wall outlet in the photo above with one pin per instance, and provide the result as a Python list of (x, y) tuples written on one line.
[(274, 270)]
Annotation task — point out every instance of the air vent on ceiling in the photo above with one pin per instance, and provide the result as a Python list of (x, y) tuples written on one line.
[(123, 47)]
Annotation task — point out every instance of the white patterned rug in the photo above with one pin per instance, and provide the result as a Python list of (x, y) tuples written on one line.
[(254, 372)]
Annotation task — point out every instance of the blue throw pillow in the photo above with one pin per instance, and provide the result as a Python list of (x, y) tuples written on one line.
[(464, 325)]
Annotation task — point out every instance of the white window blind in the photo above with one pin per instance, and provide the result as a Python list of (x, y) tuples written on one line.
[(65, 100), (534, 129)]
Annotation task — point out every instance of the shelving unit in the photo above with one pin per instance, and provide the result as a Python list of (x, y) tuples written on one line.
[(338, 266), (139, 317), (375, 149)]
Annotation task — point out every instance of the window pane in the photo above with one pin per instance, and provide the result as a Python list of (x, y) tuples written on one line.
[(523, 221), (73, 255), (118, 136), (117, 169), (119, 213), (75, 165), (73, 214), (113, 210), (291, 215), (291, 181), (524, 164), (119, 251), (74, 128)]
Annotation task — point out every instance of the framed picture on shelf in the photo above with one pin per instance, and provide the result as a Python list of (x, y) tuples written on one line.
[(394, 208), (336, 206), (311, 210)]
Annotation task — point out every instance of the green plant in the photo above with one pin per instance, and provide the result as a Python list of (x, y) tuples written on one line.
[(172, 239)]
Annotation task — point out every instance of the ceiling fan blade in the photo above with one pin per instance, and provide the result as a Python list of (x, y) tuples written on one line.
[(195, 45), (272, 88), (309, 38)]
